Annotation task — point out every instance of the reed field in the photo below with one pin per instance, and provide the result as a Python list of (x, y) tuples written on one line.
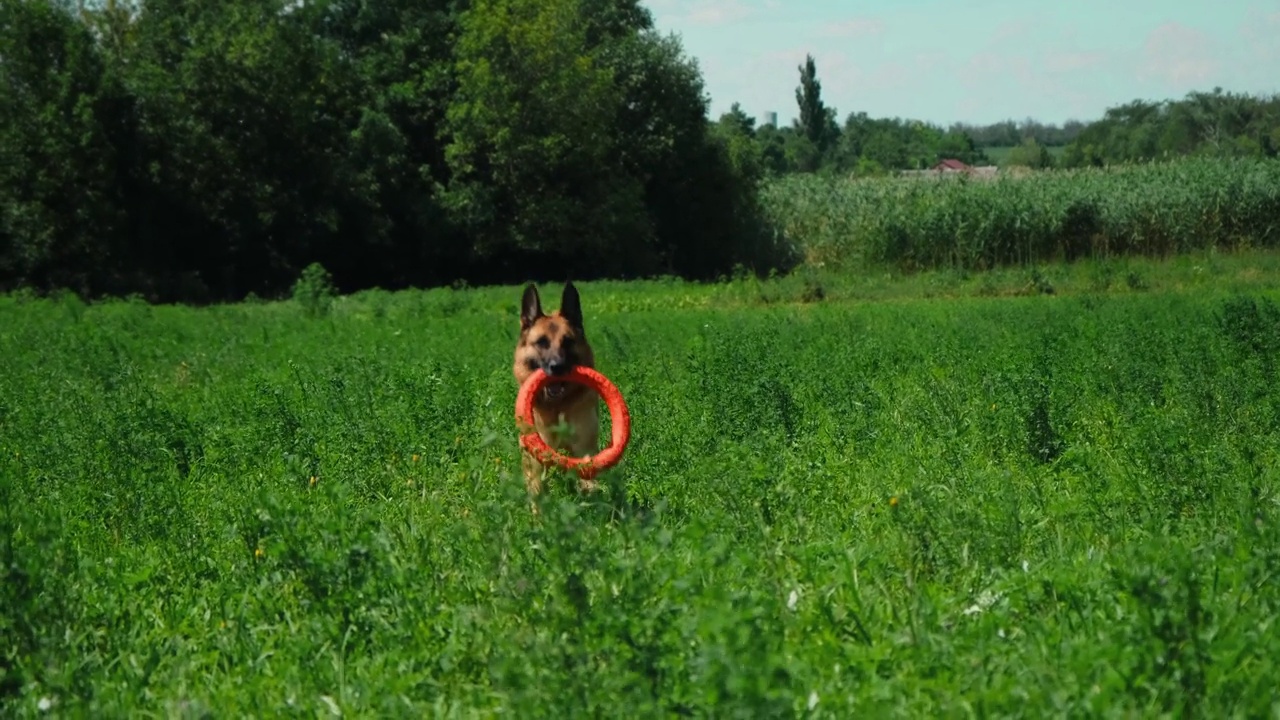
[(870, 501), (1021, 218)]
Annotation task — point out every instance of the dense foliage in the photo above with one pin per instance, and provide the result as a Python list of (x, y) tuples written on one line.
[(1009, 133), (206, 150), (863, 146), (1217, 124), (1039, 506)]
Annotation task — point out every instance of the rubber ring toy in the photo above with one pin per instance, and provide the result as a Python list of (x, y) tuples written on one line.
[(619, 416)]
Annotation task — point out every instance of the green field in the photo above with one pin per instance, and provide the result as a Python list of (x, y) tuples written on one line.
[(1155, 210), (846, 496)]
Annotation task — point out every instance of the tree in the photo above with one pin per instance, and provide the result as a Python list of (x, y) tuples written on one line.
[(738, 121), (772, 142), (60, 209), (737, 132), (578, 142), (531, 141), (200, 151), (1031, 154), (1212, 123), (245, 122), (816, 121), (958, 145), (700, 191), (402, 53)]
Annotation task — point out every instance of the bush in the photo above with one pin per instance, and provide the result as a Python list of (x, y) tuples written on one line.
[(314, 291)]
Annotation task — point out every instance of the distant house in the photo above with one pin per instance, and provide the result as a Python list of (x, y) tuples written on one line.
[(952, 165)]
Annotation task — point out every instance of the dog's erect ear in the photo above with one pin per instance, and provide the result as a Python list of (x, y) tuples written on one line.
[(571, 305), (530, 307)]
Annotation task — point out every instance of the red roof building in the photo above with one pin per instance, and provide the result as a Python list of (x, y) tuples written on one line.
[(951, 165)]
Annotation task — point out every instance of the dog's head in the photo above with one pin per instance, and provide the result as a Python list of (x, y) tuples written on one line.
[(555, 343)]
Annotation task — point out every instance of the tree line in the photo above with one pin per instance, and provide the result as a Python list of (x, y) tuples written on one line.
[(1215, 123), (1008, 133), (201, 151), (816, 142)]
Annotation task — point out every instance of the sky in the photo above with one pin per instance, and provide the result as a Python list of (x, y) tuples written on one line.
[(980, 61)]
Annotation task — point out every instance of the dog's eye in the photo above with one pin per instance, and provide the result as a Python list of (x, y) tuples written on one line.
[(543, 342), (566, 343)]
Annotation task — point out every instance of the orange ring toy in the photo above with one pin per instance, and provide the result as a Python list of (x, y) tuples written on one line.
[(618, 414)]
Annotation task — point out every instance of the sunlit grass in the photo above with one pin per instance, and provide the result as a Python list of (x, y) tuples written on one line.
[(943, 495)]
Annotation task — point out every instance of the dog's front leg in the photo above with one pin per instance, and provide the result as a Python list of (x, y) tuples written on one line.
[(533, 473)]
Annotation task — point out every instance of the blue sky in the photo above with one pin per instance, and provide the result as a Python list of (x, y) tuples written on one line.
[(980, 61)]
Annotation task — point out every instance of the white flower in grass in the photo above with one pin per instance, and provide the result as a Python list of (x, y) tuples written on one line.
[(985, 600)]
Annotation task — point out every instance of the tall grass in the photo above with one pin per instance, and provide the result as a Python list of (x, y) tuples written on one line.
[(910, 223), (1037, 506)]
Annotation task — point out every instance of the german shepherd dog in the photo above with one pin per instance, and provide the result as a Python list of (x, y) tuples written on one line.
[(565, 414)]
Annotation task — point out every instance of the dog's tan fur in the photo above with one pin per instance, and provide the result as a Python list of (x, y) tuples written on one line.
[(555, 343)]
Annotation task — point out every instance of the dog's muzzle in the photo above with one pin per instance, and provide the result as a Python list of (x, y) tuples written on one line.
[(555, 368)]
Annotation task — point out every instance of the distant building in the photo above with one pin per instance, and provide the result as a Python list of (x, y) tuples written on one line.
[(952, 165), (771, 118)]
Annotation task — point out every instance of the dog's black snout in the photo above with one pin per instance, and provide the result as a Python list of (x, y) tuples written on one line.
[(557, 367)]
